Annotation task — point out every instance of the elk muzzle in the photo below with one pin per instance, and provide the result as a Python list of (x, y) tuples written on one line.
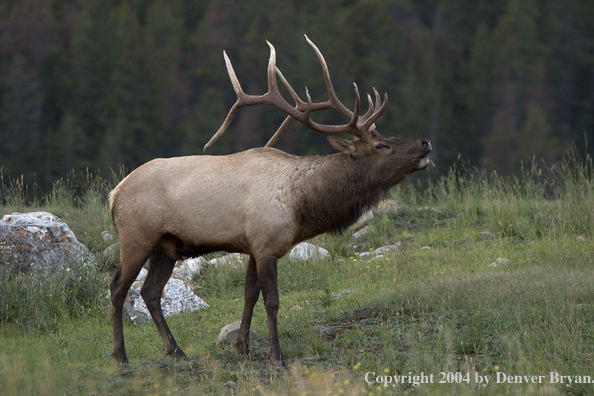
[(422, 161)]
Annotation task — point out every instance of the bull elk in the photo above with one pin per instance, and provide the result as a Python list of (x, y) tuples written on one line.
[(260, 202)]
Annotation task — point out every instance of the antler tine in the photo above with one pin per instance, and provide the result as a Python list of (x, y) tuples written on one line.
[(279, 132), (285, 125), (272, 85), (236, 106), (338, 106), (299, 103), (355, 116), (370, 110), (371, 120), (378, 100)]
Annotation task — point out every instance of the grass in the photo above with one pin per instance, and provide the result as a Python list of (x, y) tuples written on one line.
[(442, 303)]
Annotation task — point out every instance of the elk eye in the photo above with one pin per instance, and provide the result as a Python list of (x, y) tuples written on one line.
[(380, 146)]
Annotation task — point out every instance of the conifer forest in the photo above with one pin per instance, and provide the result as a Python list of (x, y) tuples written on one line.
[(111, 84)]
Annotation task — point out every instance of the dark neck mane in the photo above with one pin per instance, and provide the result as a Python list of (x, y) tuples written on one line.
[(333, 192)]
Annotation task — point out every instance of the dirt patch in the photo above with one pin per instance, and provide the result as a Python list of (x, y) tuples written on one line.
[(361, 318)]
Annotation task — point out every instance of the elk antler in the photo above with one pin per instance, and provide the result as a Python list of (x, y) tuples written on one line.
[(358, 126)]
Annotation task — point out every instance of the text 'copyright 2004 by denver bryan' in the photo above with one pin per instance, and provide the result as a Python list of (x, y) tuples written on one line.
[(474, 378)]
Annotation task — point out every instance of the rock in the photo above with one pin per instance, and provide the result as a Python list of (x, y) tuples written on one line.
[(342, 293), (387, 206), (229, 333), (40, 242), (187, 270), (500, 260), (365, 217), (425, 247), (306, 251), (427, 208), (382, 250), (111, 252), (362, 232), (235, 259), (107, 237), (486, 235), (142, 275), (177, 298)]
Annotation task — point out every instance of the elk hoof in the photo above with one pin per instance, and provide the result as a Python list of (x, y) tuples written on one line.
[(244, 356), (280, 364), (120, 357), (179, 355)]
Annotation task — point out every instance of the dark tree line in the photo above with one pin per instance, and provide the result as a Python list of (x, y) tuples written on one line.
[(104, 83)]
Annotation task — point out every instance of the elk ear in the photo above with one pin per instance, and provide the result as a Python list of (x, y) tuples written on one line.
[(341, 145)]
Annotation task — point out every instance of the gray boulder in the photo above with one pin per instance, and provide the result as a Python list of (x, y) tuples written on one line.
[(39, 242)]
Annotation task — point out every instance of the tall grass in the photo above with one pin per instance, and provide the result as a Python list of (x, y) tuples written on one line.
[(536, 202), (38, 302)]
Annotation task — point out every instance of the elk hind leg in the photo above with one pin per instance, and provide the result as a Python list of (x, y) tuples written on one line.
[(251, 294), (162, 262), (131, 261)]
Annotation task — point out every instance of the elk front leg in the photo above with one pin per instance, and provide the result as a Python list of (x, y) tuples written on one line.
[(161, 267), (267, 277), (251, 294)]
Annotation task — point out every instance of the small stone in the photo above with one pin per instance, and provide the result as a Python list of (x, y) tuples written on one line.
[(427, 208), (362, 232), (383, 250), (486, 235), (307, 251), (107, 237), (425, 247), (229, 333), (342, 293), (233, 259), (110, 252)]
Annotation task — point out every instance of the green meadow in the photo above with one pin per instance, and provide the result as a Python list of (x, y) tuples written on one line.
[(450, 307)]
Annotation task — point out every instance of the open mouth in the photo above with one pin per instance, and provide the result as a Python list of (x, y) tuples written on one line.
[(421, 163)]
